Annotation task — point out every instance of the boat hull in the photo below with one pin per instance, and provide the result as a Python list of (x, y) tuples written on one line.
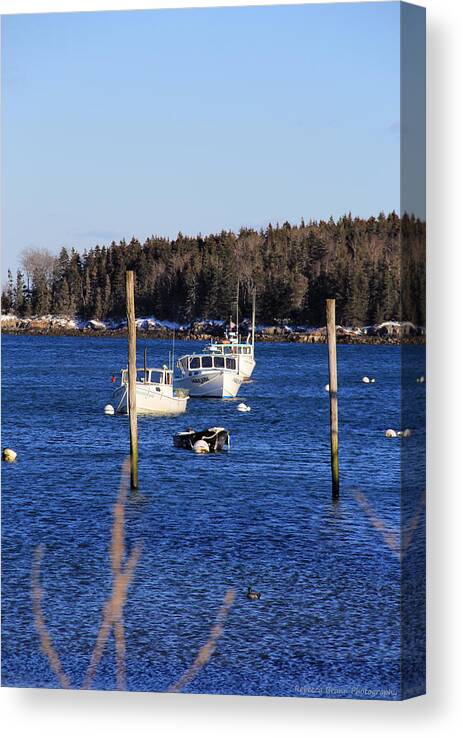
[(214, 384), (150, 401), (216, 439), (246, 366)]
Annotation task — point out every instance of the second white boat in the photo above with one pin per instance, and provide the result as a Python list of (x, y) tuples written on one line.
[(209, 376), (155, 393)]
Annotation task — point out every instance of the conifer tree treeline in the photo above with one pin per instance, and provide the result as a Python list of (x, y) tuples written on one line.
[(373, 267)]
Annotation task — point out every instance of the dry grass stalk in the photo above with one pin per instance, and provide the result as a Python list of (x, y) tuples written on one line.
[(45, 640), (398, 546), (409, 531), (206, 651), (112, 613), (389, 538), (113, 609), (112, 616)]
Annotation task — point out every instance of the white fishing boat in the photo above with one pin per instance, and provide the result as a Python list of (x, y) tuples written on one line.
[(231, 345), (209, 375), (155, 393)]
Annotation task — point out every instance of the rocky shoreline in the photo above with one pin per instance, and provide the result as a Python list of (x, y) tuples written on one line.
[(386, 333)]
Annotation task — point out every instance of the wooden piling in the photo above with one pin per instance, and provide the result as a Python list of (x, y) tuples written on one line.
[(132, 364), (333, 380)]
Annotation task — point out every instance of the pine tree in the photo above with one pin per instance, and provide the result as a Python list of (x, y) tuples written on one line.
[(19, 294)]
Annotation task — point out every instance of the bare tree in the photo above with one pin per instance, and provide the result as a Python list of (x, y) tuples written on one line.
[(37, 262)]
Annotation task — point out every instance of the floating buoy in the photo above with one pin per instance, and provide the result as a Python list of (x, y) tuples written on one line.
[(108, 410), (366, 380), (201, 447), (420, 379), (243, 408), (373, 380), (327, 387), (9, 455), (390, 433)]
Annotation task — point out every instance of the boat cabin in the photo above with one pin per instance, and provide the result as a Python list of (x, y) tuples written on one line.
[(150, 376), (227, 349), (196, 364)]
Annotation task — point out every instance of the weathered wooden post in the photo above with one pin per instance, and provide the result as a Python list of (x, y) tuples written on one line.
[(333, 379), (132, 363)]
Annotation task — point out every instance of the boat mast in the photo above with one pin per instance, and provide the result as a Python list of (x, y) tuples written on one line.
[(253, 319), (237, 309), (173, 353)]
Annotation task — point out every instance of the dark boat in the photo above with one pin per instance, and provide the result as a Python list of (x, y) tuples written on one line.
[(216, 439)]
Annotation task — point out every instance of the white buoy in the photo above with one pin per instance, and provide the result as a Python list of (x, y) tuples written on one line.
[(201, 447), (9, 455), (390, 433), (327, 387), (420, 379), (407, 433), (366, 380), (108, 410), (243, 408), (373, 380)]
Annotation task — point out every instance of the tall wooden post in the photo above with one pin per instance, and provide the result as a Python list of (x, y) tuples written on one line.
[(132, 363), (333, 378)]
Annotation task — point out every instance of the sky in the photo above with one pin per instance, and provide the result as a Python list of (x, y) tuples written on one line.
[(132, 123)]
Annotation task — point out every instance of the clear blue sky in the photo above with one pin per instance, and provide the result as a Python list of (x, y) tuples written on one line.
[(132, 123)]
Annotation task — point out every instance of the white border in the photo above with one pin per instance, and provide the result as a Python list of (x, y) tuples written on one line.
[(76, 714)]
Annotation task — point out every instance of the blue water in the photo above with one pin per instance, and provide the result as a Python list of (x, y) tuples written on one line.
[(329, 619)]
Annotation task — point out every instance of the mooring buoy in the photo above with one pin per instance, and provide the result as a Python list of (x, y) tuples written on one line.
[(390, 433), (108, 410), (243, 408), (9, 455), (201, 447)]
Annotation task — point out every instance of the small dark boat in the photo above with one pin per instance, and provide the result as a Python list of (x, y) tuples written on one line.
[(216, 439)]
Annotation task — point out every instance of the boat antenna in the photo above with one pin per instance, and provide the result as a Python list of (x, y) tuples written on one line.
[(237, 309), (253, 319)]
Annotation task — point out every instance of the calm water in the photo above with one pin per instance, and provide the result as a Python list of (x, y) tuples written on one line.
[(329, 618)]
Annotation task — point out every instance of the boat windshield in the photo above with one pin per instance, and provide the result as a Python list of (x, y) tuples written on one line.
[(157, 376)]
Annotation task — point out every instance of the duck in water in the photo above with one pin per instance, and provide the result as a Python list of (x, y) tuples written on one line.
[(252, 595)]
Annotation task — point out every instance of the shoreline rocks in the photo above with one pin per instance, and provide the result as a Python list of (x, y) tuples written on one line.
[(385, 333)]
